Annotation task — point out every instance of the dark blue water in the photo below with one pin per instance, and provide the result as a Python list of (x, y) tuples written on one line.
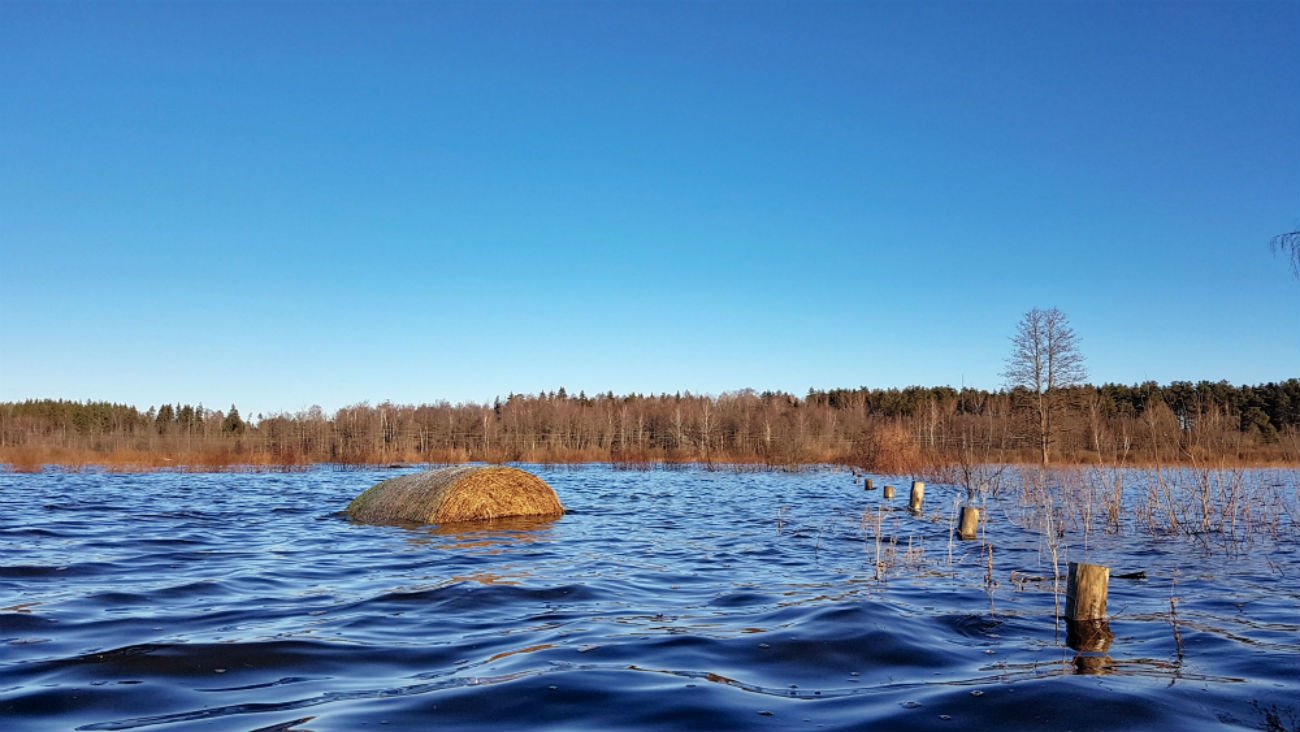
[(664, 600)]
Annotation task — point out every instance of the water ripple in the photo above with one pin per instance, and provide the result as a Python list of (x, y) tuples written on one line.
[(691, 599)]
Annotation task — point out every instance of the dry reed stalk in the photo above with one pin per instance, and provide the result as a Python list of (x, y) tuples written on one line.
[(1108, 482), (914, 557), (452, 495), (1173, 616), (880, 522), (1036, 493), (952, 526), (25, 459), (877, 525), (893, 450)]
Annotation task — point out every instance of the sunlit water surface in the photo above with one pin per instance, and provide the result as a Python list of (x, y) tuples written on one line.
[(664, 600)]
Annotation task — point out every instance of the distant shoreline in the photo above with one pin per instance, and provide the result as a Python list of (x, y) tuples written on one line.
[(911, 431), (935, 472)]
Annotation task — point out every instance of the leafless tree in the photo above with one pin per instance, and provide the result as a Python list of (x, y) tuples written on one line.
[(1288, 244), (1045, 358)]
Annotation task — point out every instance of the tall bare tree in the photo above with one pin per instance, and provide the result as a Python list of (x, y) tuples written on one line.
[(1045, 358), (1288, 244)]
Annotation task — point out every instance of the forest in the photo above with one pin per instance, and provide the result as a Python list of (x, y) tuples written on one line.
[(908, 430)]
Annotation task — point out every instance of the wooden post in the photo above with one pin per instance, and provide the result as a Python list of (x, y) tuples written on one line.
[(1089, 636), (970, 522), (889, 493), (1085, 593), (869, 485), (918, 496)]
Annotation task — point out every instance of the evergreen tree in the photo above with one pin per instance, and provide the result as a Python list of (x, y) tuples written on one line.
[(163, 421), (232, 422)]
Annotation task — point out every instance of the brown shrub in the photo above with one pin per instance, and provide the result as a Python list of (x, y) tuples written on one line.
[(891, 449)]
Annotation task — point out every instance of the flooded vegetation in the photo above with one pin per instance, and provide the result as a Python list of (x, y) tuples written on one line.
[(946, 503), (684, 599)]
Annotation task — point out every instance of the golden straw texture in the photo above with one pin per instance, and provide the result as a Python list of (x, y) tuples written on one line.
[(450, 495)]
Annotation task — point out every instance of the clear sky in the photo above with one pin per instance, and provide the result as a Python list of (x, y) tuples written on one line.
[(287, 204)]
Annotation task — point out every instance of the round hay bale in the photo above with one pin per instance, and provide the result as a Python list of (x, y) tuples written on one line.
[(452, 495)]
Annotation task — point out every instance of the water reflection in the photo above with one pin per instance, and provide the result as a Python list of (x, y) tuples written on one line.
[(492, 534), (1090, 665), (488, 578), (1089, 636), (1153, 668), (1092, 639), (520, 651)]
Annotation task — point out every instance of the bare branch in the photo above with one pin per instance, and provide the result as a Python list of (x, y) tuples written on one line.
[(1045, 358), (1288, 245)]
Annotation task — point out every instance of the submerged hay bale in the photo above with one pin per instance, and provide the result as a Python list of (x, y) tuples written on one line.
[(450, 495)]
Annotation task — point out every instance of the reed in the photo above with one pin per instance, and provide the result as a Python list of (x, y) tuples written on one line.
[(891, 448), (875, 521)]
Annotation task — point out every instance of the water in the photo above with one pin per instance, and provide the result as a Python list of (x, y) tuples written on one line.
[(664, 600)]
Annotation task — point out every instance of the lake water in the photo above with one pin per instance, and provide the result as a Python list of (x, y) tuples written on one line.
[(681, 599)]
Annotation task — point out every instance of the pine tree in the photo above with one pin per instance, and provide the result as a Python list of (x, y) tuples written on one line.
[(233, 423)]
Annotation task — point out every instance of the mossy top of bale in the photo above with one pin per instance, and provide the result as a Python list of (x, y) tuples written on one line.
[(453, 495)]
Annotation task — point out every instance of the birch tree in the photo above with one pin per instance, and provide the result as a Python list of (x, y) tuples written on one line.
[(1045, 358)]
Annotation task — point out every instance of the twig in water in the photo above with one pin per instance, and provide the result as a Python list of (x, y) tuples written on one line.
[(952, 527), (880, 520), (1273, 721), (989, 583), (1173, 617), (988, 576)]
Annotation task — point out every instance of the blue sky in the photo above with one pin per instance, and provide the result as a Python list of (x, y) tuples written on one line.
[(287, 204)]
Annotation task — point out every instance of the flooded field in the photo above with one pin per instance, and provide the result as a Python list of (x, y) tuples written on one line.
[(686, 599)]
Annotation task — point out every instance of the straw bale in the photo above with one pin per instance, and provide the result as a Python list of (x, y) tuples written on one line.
[(451, 495)]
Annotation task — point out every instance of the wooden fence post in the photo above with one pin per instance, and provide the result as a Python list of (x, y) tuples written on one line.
[(918, 496), (970, 522), (1085, 593)]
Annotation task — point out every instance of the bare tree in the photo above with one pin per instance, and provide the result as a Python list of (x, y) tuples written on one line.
[(1045, 358), (1288, 244)]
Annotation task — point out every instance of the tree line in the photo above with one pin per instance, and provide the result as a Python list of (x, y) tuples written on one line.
[(890, 430)]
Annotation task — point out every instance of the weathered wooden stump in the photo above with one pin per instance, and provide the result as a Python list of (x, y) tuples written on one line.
[(869, 485), (889, 493), (969, 526), (918, 497), (1085, 593)]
